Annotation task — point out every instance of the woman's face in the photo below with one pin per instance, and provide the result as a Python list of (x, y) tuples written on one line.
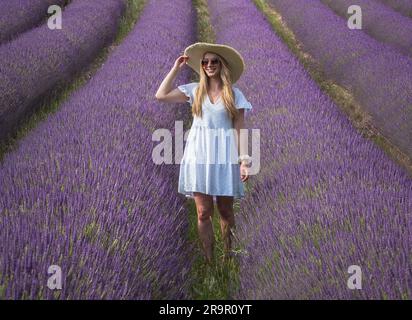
[(211, 64)]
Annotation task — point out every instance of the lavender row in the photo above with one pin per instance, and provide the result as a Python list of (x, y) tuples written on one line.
[(402, 6), (19, 16), (380, 22), (40, 59), (377, 75), (325, 198), (82, 192)]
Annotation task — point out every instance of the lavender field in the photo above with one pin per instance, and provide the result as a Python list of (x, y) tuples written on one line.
[(402, 6), (80, 190), (325, 198), (39, 59), (375, 73), (29, 14), (380, 22)]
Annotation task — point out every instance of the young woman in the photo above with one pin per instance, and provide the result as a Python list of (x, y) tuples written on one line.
[(218, 111)]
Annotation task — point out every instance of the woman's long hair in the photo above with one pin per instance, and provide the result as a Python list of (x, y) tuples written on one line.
[(227, 92)]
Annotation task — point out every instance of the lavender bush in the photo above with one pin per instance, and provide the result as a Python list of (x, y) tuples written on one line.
[(380, 22), (377, 75), (325, 198), (81, 190), (38, 60), (19, 16), (403, 6)]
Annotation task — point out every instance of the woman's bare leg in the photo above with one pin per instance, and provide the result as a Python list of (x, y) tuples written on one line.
[(204, 206), (227, 222)]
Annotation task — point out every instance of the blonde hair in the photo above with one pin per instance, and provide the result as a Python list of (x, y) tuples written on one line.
[(227, 91)]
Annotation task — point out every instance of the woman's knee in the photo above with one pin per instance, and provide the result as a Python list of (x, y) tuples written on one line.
[(204, 213)]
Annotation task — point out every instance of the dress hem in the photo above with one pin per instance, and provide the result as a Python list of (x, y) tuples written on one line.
[(189, 194)]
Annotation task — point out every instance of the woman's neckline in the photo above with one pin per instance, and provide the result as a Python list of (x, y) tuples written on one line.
[(218, 100), (210, 101)]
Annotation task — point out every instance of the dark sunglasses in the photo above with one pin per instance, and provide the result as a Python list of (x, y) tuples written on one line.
[(213, 62)]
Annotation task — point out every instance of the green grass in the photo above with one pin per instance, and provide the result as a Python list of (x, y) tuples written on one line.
[(205, 32), (219, 281), (51, 102)]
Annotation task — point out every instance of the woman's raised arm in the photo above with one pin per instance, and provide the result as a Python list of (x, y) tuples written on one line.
[(165, 92)]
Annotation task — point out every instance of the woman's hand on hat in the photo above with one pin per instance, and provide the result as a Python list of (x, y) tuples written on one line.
[(180, 62)]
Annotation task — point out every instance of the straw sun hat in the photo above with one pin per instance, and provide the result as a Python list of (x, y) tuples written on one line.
[(196, 51)]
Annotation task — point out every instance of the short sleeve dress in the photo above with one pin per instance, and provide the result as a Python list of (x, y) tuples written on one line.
[(209, 163)]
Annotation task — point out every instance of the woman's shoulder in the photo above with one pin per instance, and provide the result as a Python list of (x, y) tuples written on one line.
[(237, 89), (188, 88), (241, 101), (192, 85), (237, 92)]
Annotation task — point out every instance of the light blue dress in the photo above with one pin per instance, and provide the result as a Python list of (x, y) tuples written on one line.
[(209, 163)]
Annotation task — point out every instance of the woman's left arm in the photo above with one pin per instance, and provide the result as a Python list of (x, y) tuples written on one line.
[(241, 140)]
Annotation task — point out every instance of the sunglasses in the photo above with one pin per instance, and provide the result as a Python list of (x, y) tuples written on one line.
[(213, 62)]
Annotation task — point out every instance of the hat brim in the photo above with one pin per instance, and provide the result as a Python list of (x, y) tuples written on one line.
[(234, 59)]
